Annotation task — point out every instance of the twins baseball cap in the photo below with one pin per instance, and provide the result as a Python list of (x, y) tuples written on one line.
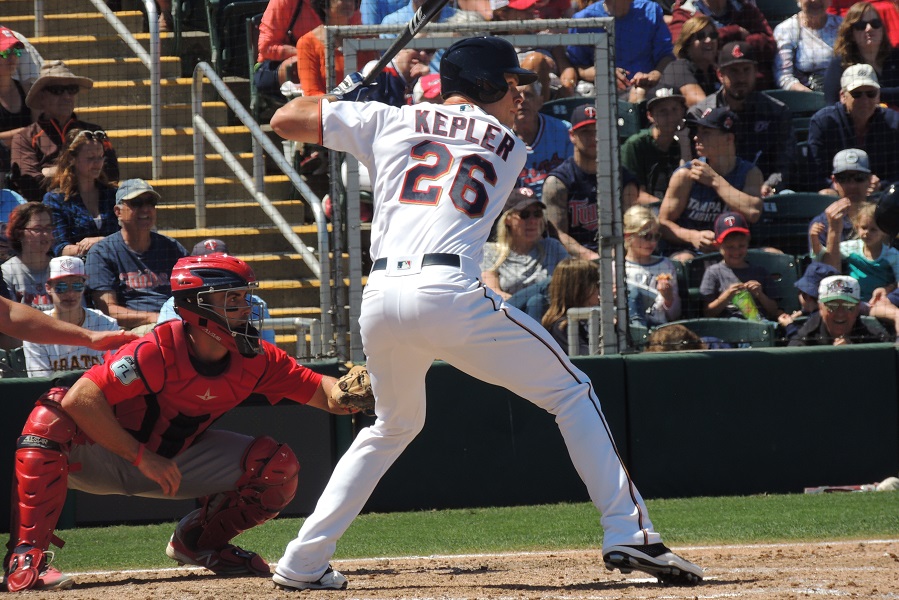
[(209, 246), (851, 159), (716, 118), (811, 279), (132, 188), (521, 198), (665, 94), (582, 116), (8, 39), (839, 287), (728, 223), (66, 266), (735, 53), (857, 76)]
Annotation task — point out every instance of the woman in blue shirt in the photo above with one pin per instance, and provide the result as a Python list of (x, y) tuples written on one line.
[(82, 199)]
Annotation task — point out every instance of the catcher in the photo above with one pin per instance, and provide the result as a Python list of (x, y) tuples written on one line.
[(138, 425)]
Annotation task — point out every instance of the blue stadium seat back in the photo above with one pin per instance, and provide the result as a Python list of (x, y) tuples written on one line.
[(777, 11), (631, 119), (801, 104), (785, 220), (738, 333), (562, 108)]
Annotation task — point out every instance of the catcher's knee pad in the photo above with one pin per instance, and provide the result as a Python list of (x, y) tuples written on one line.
[(268, 484), (41, 473)]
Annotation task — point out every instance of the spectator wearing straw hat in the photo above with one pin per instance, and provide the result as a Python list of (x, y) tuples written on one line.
[(36, 147)]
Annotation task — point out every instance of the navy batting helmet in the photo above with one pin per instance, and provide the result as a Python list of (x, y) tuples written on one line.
[(476, 68)]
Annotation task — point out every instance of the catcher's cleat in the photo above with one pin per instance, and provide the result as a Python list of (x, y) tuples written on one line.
[(331, 580), (29, 569), (229, 560), (654, 559)]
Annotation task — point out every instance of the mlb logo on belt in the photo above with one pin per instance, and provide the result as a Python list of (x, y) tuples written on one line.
[(403, 265)]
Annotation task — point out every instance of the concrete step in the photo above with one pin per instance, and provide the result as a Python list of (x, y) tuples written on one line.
[(255, 240), (61, 24), (222, 213), (174, 90), (104, 44), (277, 187), (117, 69), (51, 7), (180, 165), (173, 115), (175, 140)]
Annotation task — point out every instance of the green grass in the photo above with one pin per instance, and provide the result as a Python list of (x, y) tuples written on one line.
[(694, 521)]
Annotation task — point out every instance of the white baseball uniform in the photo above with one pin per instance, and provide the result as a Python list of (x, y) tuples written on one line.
[(441, 175)]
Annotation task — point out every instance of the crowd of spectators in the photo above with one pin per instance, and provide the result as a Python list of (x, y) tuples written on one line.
[(717, 147)]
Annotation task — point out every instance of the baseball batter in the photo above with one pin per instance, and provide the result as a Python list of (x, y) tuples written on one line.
[(441, 174)]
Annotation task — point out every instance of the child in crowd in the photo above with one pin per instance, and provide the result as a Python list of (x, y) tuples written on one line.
[(652, 292), (575, 283), (724, 283), (807, 285), (870, 258), (672, 338)]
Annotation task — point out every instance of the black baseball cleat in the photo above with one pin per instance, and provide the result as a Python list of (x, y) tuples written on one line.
[(656, 560)]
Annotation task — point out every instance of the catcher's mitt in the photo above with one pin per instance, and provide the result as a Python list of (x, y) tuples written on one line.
[(353, 392)]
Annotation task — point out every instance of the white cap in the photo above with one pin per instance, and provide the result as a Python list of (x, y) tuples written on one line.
[(857, 76), (66, 266), (839, 287)]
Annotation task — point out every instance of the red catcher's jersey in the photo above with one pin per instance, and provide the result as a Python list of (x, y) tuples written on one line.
[(160, 398)]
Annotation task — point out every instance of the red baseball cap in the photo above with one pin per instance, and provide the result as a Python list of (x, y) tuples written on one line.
[(522, 4), (8, 39)]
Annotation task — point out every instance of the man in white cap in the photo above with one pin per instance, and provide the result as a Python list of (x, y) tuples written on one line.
[(856, 121), (836, 323), (36, 147), (66, 286), (852, 180)]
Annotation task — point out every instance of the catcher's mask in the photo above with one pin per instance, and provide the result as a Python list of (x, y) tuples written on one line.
[(193, 280)]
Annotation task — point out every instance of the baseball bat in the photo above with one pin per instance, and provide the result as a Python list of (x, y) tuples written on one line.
[(425, 13)]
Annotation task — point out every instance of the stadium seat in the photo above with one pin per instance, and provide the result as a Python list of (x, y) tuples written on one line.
[(801, 104), (777, 11), (12, 363), (631, 119), (637, 334), (785, 220), (738, 333), (227, 34), (563, 107)]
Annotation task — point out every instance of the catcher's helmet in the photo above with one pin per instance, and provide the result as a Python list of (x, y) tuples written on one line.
[(886, 215), (476, 68), (193, 277)]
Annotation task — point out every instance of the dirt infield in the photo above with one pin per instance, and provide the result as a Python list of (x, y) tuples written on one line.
[(857, 569)]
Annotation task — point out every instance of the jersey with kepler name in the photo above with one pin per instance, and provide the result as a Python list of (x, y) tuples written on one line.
[(440, 174)]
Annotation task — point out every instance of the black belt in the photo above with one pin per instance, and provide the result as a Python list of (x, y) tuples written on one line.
[(428, 260)]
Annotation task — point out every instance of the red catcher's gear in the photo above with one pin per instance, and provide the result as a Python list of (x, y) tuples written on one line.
[(39, 490)]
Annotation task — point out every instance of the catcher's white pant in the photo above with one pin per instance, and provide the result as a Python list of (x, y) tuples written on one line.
[(407, 322)]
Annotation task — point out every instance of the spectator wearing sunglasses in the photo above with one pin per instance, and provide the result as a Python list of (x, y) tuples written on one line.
[(837, 321), (852, 180), (36, 148), (856, 121), (693, 73), (805, 47), (129, 270), (863, 39), (14, 113), (30, 235), (523, 255), (652, 296), (66, 286), (82, 200)]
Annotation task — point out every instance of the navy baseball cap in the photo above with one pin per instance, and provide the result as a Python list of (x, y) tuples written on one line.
[(728, 223), (582, 116), (812, 277), (716, 118)]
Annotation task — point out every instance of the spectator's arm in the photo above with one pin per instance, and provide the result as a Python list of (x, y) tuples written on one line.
[(785, 36), (312, 79), (693, 93), (26, 323), (673, 204), (831, 254), (26, 165), (747, 201), (491, 280), (273, 42), (555, 197), (106, 302)]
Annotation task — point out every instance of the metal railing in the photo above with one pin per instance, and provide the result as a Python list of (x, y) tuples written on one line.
[(149, 59), (607, 174), (204, 132), (302, 328)]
